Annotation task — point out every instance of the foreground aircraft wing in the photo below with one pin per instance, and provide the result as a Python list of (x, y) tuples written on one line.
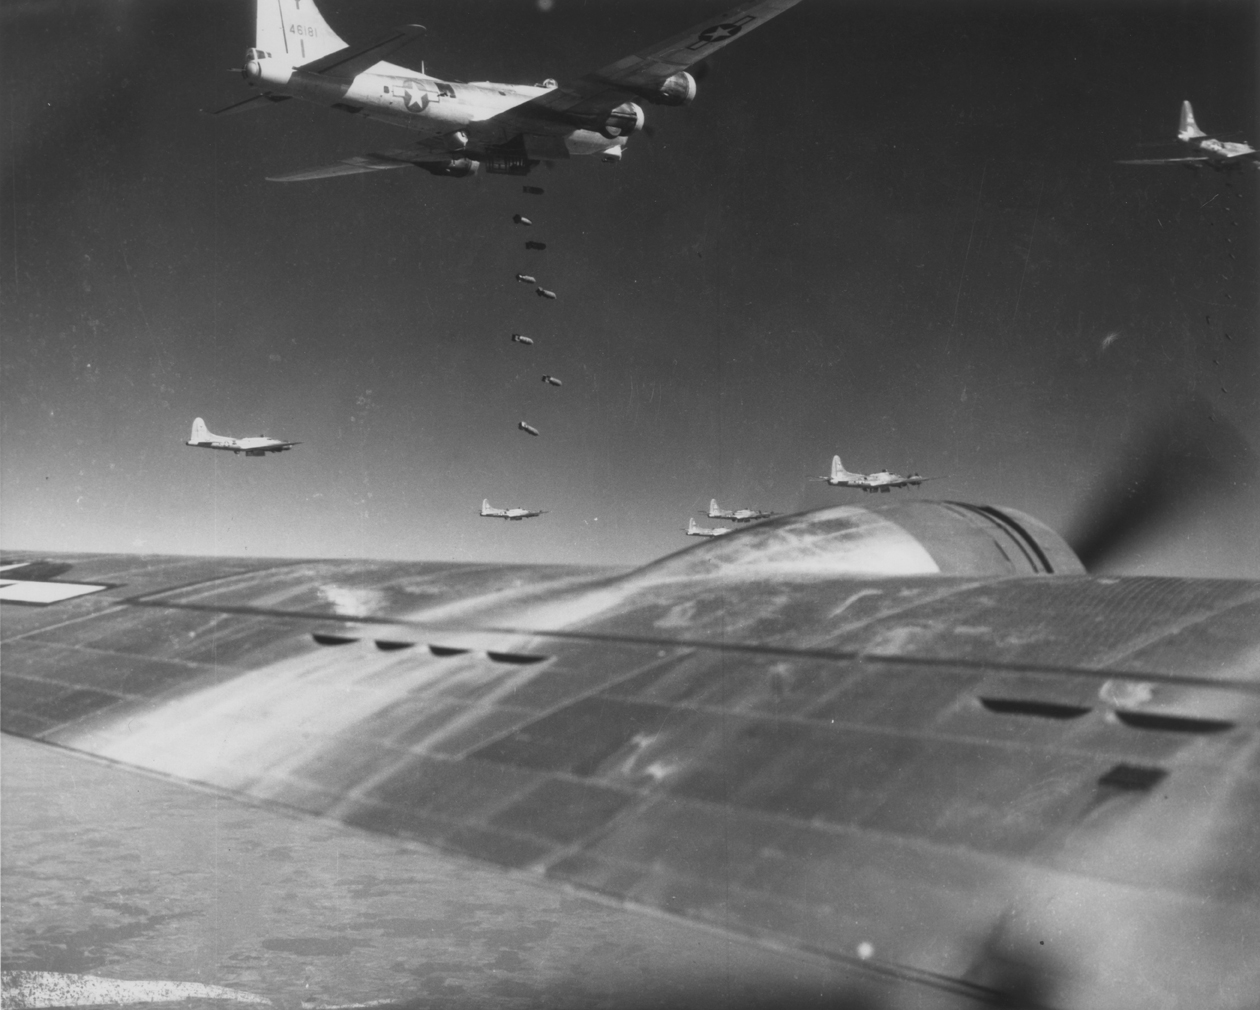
[(861, 735), (586, 98)]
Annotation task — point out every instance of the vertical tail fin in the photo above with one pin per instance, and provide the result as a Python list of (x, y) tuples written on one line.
[(199, 432), (1188, 129), (485, 506), (691, 526), (294, 31), (837, 468), (713, 508)]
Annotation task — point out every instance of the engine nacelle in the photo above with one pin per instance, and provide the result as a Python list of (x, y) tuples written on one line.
[(457, 168), (623, 121), (677, 90)]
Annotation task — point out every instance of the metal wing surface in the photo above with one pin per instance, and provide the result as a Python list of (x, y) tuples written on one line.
[(580, 101), (923, 776)]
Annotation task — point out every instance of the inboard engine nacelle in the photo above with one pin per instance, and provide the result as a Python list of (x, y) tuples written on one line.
[(624, 120), (677, 90)]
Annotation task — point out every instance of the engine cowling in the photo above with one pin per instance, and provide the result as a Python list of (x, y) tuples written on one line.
[(623, 121), (679, 89), (457, 168)]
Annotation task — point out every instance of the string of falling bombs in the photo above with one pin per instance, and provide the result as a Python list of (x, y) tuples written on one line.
[(539, 290), (1222, 204)]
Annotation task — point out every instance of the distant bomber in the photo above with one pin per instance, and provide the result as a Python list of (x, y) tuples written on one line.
[(1208, 150), (514, 514), (526, 279), (737, 515), (544, 293), (520, 338), (535, 190), (693, 530), (256, 445), (881, 480), (551, 380), (521, 219), (535, 245), (529, 429)]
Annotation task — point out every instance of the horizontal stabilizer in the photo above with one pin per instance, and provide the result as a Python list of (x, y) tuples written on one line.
[(351, 166), (348, 63), (250, 104)]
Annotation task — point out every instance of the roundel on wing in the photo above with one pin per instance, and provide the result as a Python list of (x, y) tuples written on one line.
[(719, 32)]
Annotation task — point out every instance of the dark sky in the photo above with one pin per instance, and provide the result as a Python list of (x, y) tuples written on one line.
[(885, 229)]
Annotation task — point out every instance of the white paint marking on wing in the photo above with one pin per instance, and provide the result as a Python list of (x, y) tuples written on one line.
[(25, 990), (44, 592)]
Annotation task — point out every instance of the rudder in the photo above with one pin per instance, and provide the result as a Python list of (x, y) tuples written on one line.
[(295, 31)]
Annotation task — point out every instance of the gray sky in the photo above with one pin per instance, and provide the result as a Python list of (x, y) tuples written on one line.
[(889, 230)]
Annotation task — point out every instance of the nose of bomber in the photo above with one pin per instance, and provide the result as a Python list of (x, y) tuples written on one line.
[(251, 71)]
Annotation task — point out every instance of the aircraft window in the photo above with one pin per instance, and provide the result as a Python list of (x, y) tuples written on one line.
[(387, 89), (447, 90)]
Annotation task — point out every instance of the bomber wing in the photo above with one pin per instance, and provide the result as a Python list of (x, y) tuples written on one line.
[(417, 156), (1198, 159), (937, 776), (585, 100)]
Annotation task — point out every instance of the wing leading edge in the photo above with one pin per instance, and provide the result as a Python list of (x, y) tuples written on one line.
[(577, 102)]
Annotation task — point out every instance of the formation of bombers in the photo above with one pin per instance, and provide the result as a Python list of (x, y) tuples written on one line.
[(460, 128)]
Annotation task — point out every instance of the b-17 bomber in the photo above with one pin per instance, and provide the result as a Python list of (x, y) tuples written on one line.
[(535, 245), (459, 127), (529, 429), (737, 515), (520, 338), (535, 190), (551, 380), (521, 219), (693, 530), (514, 514), (879, 481), (526, 279), (1209, 151), (254, 445), (545, 293)]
